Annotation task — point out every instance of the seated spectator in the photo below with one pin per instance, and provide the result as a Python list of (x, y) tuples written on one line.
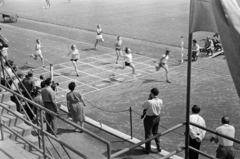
[(209, 46), (195, 50)]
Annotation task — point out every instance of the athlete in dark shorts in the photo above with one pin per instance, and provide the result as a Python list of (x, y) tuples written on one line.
[(163, 64), (75, 56), (128, 61)]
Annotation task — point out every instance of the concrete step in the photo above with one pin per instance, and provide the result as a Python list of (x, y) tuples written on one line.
[(11, 150), (7, 104), (12, 120), (22, 129), (5, 96)]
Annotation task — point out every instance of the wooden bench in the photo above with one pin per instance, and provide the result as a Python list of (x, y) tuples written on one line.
[(10, 17)]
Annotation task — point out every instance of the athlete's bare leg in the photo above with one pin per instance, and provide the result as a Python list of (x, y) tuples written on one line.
[(95, 45), (42, 61), (75, 67), (166, 70)]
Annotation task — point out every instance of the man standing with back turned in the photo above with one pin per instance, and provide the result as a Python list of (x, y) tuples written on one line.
[(152, 108), (225, 148), (48, 97), (196, 134)]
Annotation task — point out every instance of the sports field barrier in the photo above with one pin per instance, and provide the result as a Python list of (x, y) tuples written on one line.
[(180, 148), (27, 105)]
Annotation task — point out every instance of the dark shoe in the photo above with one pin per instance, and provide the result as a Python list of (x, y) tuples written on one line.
[(159, 150), (168, 81), (146, 151)]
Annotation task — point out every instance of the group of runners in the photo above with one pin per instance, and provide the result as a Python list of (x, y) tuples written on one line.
[(119, 48)]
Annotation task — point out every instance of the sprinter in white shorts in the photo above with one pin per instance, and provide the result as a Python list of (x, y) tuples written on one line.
[(38, 52), (99, 37)]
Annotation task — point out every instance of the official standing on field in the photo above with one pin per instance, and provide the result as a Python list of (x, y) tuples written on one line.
[(225, 148), (152, 108), (48, 97)]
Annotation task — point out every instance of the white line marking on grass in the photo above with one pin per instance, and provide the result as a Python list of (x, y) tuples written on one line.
[(60, 37), (100, 85)]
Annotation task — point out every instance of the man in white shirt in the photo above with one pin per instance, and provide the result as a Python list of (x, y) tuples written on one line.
[(196, 134), (152, 108), (225, 148)]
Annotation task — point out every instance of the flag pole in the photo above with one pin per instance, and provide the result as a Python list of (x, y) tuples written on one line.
[(188, 98)]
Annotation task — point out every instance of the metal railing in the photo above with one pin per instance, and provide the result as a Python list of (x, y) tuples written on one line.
[(178, 149), (44, 133), (4, 71)]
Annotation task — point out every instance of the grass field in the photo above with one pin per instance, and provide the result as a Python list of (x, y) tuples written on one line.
[(148, 27)]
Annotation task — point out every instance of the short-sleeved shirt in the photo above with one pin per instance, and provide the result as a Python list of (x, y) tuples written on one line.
[(99, 31), (164, 58), (153, 107), (128, 58), (38, 47), (75, 54), (196, 132), (195, 48), (227, 130)]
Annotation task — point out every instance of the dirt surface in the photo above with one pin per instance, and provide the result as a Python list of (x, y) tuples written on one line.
[(212, 87)]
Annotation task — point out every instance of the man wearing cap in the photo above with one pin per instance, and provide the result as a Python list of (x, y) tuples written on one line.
[(225, 149), (48, 97), (152, 108), (196, 134)]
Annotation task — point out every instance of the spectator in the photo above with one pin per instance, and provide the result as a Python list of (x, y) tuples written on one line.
[(48, 97), (195, 50), (3, 40), (38, 82), (4, 52), (209, 46), (75, 104), (196, 134), (152, 109), (38, 97), (225, 148), (28, 88), (15, 88)]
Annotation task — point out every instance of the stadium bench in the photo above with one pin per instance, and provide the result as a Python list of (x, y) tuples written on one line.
[(11, 17)]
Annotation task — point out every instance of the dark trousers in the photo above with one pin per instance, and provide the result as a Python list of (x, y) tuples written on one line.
[(16, 101), (225, 152), (151, 124), (29, 109), (193, 143), (50, 119)]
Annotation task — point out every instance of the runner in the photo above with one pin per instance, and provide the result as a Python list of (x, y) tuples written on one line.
[(48, 4), (163, 64), (182, 48), (99, 37), (118, 47), (75, 56), (38, 52), (128, 61), (2, 2)]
